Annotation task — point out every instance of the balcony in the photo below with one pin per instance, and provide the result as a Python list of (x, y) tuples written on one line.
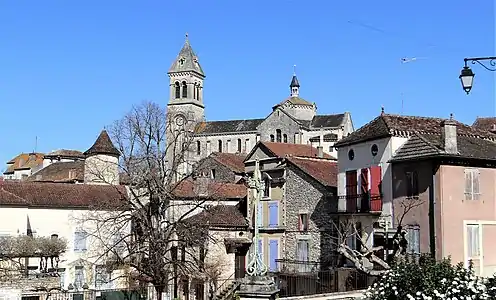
[(360, 203)]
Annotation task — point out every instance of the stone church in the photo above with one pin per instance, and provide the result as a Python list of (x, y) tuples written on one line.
[(292, 120)]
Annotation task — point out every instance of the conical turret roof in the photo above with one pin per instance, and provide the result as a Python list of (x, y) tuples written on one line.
[(187, 61), (294, 82), (103, 145)]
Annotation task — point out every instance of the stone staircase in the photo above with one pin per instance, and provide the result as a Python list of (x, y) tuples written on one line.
[(227, 292)]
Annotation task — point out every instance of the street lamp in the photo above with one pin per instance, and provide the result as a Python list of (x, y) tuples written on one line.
[(467, 76)]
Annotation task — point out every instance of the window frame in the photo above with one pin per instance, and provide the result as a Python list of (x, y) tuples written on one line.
[(83, 237), (476, 243), (472, 192), (303, 226)]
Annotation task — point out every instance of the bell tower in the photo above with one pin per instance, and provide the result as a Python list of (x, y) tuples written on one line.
[(185, 108)]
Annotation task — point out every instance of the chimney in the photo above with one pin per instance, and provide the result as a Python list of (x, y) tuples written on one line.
[(320, 151), (448, 134), (201, 186)]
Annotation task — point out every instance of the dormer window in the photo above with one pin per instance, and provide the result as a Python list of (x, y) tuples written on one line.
[(185, 89), (177, 89)]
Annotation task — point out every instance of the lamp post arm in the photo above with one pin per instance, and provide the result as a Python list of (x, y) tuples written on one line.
[(488, 63)]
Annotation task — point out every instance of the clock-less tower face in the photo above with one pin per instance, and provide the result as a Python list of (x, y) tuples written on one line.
[(180, 120)]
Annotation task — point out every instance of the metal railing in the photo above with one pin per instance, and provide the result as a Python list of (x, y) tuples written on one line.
[(361, 203)]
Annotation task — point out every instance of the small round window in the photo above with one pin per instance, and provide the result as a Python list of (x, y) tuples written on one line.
[(351, 154), (374, 150)]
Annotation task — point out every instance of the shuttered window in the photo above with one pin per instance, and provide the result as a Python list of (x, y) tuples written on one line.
[(412, 189), (80, 240), (472, 184), (273, 214), (413, 238)]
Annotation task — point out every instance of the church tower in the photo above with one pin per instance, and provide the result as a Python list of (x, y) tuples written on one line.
[(186, 86), (185, 108)]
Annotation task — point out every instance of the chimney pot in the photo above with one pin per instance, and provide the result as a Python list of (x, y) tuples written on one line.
[(449, 136)]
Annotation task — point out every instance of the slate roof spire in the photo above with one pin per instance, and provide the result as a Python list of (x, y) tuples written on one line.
[(103, 145), (294, 86), (186, 60)]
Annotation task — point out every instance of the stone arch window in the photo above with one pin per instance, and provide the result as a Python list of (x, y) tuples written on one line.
[(278, 135), (194, 91), (177, 89), (285, 138), (198, 91), (220, 146), (272, 138), (239, 145), (185, 89), (198, 148)]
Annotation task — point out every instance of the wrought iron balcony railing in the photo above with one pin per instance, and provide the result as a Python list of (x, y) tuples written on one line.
[(361, 203)]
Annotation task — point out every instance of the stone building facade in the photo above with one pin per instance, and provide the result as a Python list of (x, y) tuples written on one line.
[(295, 210), (223, 167), (293, 120)]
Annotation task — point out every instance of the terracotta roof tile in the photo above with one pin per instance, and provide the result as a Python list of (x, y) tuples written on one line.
[(65, 153), (206, 188), (387, 125), (103, 145), (486, 124), (286, 149), (235, 162), (62, 195), (219, 216), (60, 172), (323, 170), (24, 161)]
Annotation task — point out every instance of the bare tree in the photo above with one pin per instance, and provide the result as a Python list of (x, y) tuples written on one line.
[(365, 257), (147, 232)]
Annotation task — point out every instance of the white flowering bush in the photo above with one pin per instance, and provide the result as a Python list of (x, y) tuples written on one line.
[(431, 280)]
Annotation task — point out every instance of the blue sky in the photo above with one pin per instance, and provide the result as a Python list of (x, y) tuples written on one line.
[(68, 68)]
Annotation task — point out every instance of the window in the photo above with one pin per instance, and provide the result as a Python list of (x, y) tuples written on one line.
[(278, 135), (374, 150), (79, 277), (266, 193), (303, 222), (272, 138), (285, 138), (351, 191), (239, 145), (472, 188), (228, 146), (273, 254), (473, 241), (177, 89), (273, 213), (185, 89), (220, 146), (302, 254), (198, 148), (209, 147), (80, 240), (296, 140), (198, 92), (212, 174), (331, 149), (412, 189), (194, 91), (351, 154), (413, 238), (247, 145), (102, 278), (119, 243)]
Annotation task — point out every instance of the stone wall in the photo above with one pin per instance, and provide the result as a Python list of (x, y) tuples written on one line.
[(222, 173), (305, 195), (278, 120), (30, 284)]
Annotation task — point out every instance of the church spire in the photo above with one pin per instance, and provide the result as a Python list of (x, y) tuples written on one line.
[(186, 61), (294, 86)]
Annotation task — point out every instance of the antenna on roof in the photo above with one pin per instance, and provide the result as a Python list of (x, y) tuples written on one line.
[(405, 60)]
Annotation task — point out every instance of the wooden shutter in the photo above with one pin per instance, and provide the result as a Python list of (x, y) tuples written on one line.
[(273, 254), (375, 188), (475, 184), (364, 181), (273, 214), (351, 191), (468, 184)]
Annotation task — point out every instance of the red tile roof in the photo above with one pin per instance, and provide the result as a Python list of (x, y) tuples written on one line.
[(206, 188), (60, 172), (486, 124), (61, 195), (323, 170), (103, 145), (219, 216), (286, 149), (233, 161), (24, 161), (65, 153)]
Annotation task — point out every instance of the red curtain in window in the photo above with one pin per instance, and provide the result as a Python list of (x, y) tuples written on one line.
[(375, 188)]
